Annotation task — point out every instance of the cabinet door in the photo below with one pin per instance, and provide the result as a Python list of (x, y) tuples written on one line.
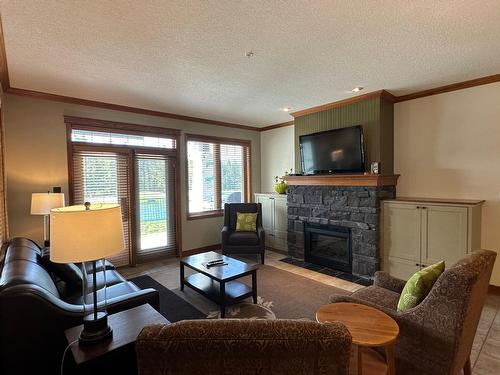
[(280, 218), (267, 212), (444, 234), (400, 268), (401, 232)]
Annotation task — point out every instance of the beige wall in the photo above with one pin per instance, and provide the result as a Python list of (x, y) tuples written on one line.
[(448, 145), (35, 136), (277, 155)]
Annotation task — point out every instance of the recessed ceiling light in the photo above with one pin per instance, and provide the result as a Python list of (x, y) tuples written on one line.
[(249, 54), (286, 109), (357, 89)]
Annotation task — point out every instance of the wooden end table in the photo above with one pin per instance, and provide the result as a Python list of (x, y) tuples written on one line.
[(368, 327), (117, 354), (219, 284)]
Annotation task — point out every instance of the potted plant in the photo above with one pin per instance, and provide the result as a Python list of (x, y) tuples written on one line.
[(280, 183)]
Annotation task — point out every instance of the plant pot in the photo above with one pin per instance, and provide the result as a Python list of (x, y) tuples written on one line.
[(280, 187)]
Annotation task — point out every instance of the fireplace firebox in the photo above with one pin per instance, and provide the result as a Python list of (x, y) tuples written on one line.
[(328, 245)]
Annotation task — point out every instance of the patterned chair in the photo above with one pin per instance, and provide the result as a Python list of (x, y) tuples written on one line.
[(237, 347), (436, 336)]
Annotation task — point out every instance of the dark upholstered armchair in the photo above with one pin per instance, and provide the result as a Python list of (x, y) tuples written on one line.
[(233, 346), (436, 336), (242, 242)]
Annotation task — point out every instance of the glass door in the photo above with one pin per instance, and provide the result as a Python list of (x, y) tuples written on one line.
[(155, 176), (103, 177)]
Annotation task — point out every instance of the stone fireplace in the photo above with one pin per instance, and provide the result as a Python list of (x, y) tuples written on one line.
[(354, 210)]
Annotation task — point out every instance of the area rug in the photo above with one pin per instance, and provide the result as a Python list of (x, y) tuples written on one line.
[(172, 307), (288, 295)]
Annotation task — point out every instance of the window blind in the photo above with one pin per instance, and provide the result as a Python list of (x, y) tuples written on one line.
[(103, 177), (217, 173), (155, 192)]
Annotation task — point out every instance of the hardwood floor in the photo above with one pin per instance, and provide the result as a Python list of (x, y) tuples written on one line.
[(485, 356)]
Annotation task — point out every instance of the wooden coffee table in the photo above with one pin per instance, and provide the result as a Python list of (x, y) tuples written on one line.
[(368, 327), (219, 283)]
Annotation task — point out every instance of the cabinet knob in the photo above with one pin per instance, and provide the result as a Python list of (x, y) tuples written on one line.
[(424, 208), (423, 265), (418, 207), (418, 265)]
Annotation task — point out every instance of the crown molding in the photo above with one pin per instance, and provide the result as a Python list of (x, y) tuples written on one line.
[(356, 99), (448, 88), (123, 108), (276, 126), (4, 70)]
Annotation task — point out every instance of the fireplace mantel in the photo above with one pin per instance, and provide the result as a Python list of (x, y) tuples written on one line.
[(361, 179)]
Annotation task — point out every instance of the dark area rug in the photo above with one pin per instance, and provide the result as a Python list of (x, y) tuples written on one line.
[(172, 307)]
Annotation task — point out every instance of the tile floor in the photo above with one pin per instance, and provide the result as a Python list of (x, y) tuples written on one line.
[(485, 356)]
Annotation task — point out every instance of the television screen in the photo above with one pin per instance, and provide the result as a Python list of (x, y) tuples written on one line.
[(333, 151)]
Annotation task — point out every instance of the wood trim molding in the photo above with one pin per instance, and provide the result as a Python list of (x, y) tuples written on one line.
[(123, 108), (494, 289), (203, 249), (447, 88), (362, 179), (276, 126), (209, 138), (375, 94), (4, 70), (119, 126)]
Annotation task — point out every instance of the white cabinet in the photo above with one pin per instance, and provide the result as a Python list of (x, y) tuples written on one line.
[(416, 234), (274, 219)]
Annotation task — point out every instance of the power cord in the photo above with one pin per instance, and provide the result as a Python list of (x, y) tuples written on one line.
[(64, 355)]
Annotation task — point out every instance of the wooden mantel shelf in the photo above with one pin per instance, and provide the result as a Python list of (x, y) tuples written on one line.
[(361, 179)]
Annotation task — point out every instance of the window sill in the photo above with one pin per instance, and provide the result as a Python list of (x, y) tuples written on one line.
[(205, 215)]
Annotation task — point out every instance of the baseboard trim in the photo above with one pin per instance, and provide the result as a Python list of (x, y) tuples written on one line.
[(494, 289), (284, 252), (203, 249)]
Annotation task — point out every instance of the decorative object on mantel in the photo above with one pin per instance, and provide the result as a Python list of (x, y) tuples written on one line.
[(375, 167), (280, 183)]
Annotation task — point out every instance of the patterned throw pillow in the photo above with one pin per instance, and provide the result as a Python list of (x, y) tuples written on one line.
[(418, 286), (246, 222)]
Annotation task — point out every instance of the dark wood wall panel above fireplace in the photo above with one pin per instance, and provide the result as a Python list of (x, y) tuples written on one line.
[(375, 114)]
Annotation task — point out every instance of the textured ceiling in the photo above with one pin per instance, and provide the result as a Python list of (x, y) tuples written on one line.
[(188, 57)]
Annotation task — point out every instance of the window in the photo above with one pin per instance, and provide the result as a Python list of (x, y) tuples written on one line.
[(136, 167), (217, 173)]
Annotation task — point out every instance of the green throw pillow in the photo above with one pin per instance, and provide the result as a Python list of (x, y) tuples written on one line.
[(419, 285), (246, 222)]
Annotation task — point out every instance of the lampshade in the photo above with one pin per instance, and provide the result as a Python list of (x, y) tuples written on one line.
[(80, 235), (42, 203)]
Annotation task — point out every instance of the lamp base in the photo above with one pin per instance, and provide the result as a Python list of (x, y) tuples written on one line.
[(95, 330)]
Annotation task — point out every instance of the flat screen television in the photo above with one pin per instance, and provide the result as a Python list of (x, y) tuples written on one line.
[(333, 151)]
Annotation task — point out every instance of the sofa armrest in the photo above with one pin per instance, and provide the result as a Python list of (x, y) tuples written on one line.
[(386, 281), (134, 299)]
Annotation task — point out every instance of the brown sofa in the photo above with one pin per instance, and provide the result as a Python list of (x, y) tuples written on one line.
[(232, 346), (436, 336)]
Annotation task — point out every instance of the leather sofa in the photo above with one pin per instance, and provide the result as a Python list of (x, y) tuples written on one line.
[(36, 308)]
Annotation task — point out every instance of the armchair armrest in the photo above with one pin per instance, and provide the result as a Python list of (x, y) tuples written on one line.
[(224, 236), (261, 233), (386, 281)]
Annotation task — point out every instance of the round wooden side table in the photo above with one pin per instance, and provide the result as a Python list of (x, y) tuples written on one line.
[(368, 327)]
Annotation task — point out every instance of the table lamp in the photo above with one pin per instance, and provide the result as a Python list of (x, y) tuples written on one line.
[(41, 204), (88, 233)]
